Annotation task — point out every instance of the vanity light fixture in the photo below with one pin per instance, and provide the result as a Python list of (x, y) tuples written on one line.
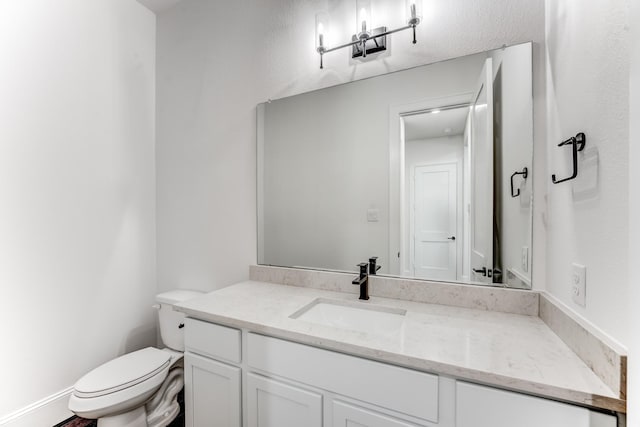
[(366, 40)]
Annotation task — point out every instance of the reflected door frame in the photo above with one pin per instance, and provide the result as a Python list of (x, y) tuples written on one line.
[(399, 256), (481, 160)]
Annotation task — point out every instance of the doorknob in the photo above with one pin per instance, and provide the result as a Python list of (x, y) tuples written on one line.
[(482, 270), (451, 238)]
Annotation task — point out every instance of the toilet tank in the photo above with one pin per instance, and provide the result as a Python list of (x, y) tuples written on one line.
[(171, 322)]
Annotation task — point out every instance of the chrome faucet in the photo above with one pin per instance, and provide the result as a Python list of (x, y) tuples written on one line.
[(363, 281)]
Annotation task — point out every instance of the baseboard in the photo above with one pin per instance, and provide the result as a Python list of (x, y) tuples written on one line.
[(46, 412)]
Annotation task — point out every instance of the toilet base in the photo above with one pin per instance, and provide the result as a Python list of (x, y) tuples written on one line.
[(159, 411), (163, 407), (134, 418), (155, 409)]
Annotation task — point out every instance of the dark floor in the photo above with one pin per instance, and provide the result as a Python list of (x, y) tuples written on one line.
[(179, 421), (81, 422), (77, 422)]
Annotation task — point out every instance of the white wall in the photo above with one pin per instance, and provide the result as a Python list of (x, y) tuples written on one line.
[(633, 390), (206, 157), (208, 90), (588, 91), (77, 260)]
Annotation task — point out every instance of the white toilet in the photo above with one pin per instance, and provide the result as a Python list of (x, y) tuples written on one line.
[(138, 389)]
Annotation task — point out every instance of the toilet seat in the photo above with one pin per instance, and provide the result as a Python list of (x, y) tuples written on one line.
[(122, 372), (120, 384)]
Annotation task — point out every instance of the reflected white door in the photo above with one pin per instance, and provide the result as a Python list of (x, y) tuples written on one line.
[(481, 214), (435, 213)]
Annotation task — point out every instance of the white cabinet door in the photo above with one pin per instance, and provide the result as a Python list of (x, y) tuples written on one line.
[(274, 404), (212, 393), (478, 406), (347, 415)]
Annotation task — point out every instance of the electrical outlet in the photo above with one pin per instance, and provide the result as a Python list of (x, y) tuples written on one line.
[(525, 259), (579, 284), (373, 215)]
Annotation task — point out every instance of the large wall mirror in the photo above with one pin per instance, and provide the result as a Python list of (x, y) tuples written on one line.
[(429, 169)]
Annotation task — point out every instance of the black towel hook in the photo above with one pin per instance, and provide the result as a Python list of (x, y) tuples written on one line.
[(525, 174), (577, 143)]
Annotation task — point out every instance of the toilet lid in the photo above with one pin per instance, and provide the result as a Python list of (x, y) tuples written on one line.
[(122, 372)]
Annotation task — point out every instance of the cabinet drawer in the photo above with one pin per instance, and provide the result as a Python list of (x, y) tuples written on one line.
[(478, 406), (398, 389), (209, 339)]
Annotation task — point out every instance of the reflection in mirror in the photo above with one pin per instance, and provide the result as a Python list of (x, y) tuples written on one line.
[(415, 167)]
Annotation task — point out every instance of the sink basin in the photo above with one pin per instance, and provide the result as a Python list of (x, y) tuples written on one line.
[(353, 316)]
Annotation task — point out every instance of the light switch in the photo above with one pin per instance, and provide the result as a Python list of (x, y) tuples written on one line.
[(579, 284), (373, 215)]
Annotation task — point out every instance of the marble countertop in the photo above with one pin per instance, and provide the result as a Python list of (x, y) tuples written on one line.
[(510, 351)]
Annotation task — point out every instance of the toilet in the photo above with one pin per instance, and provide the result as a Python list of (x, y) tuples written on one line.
[(139, 389)]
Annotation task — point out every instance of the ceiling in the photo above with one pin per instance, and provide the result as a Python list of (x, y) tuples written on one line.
[(158, 5), (435, 125)]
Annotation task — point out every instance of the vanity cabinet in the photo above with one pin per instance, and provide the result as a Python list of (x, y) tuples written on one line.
[(271, 403), (347, 415), (212, 393), (404, 391), (485, 406), (238, 378)]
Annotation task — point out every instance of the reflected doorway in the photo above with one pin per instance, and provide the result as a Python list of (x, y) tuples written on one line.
[(435, 159)]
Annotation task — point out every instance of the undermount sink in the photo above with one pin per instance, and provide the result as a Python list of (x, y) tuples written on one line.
[(353, 316)]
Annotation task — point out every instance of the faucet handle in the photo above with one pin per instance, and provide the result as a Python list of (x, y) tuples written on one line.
[(373, 268), (363, 268)]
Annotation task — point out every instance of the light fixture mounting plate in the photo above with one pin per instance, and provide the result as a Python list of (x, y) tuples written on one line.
[(373, 44)]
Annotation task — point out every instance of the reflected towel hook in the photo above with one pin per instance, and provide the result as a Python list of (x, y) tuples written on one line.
[(577, 143), (525, 174)]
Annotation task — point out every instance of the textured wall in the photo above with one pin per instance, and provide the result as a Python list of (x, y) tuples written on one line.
[(217, 60), (77, 259), (633, 392), (588, 91)]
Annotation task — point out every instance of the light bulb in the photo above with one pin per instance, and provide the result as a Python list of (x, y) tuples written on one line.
[(322, 30), (320, 34), (363, 16), (414, 12), (363, 20)]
